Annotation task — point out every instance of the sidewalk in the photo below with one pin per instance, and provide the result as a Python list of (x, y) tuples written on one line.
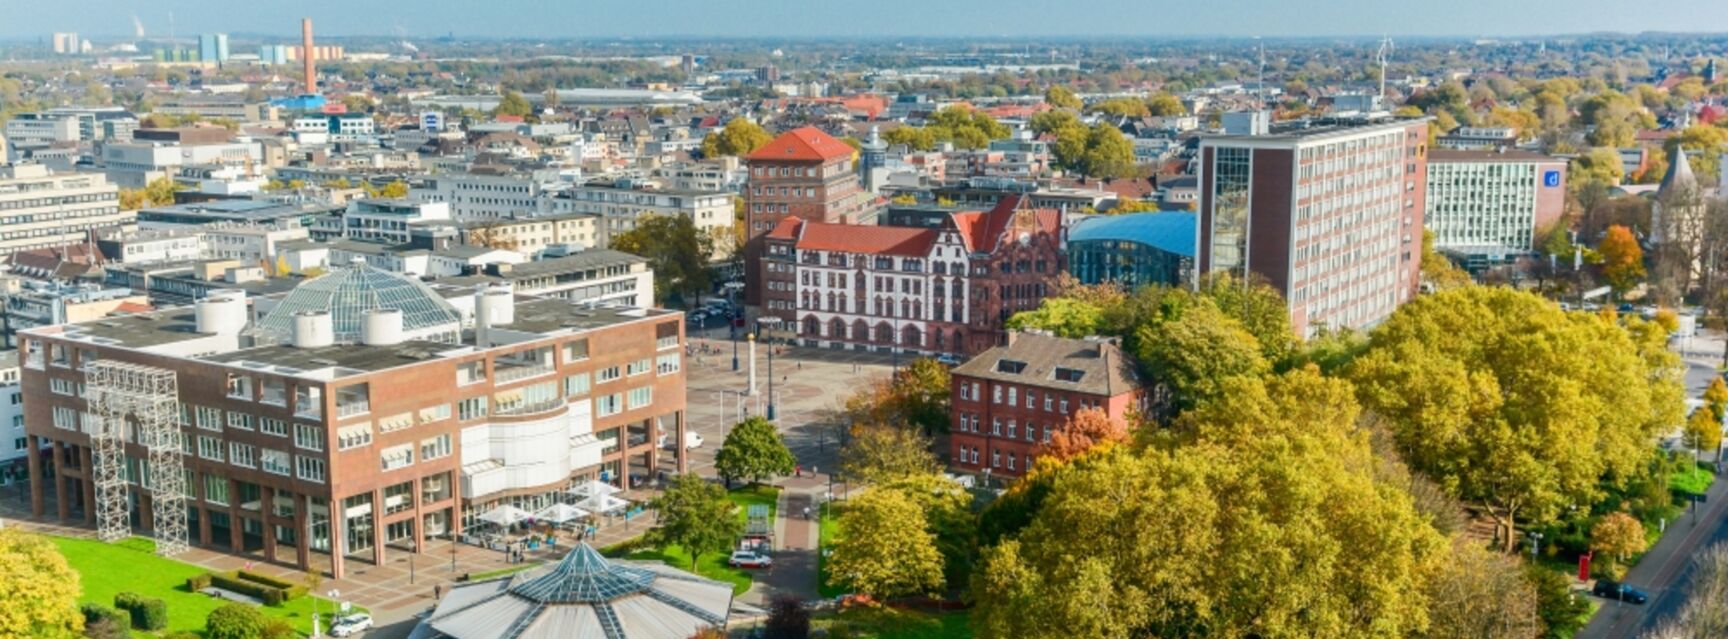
[(794, 571), (1659, 570)]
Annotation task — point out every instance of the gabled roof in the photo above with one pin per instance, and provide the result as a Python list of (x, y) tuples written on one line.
[(1095, 366), (805, 144), (984, 231), (856, 238)]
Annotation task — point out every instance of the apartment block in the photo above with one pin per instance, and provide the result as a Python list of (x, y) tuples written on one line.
[(41, 209)]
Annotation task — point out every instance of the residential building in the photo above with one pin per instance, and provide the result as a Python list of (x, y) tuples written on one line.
[(31, 131), (14, 444), (538, 233), (213, 47), (1133, 249), (387, 221), (1010, 400), (804, 173), (601, 277), (1493, 201), (361, 413), (40, 209), (481, 197), (1328, 213), (947, 289), (67, 43), (619, 204)]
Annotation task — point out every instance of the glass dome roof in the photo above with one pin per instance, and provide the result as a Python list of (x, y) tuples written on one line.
[(347, 293)]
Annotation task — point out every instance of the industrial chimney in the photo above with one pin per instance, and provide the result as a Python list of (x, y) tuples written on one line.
[(306, 55)]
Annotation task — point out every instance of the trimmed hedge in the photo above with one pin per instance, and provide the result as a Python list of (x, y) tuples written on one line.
[(199, 582), (95, 613), (289, 588), (147, 613), (244, 587)]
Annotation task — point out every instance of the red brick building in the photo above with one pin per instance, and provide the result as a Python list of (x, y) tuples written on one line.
[(803, 173), (946, 289), (1010, 399)]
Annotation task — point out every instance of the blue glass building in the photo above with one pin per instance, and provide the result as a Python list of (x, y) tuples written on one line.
[(1134, 249)]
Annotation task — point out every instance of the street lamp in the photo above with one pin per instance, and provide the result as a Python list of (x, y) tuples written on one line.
[(413, 549), (732, 330), (762, 326)]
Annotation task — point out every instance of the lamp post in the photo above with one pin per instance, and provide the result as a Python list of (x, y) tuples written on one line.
[(732, 331), (413, 549), (763, 325), (453, 542)]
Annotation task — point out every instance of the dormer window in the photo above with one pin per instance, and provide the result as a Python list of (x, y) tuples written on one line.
[(1010, 367), (1069, 374)]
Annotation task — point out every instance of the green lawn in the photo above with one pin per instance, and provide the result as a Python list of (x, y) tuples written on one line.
[(892, 623), (711, 565), (483, 576), (1695, 480), (130, 565), (829, 532)]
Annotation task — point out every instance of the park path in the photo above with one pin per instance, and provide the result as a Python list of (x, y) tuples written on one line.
[(794, 572)]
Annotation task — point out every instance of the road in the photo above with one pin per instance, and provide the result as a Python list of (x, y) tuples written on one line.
[(1666, 568)]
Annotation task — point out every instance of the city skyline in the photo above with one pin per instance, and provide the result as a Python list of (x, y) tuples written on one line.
[(967, 18)]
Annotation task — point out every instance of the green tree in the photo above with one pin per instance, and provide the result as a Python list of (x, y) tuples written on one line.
[(1260, 309), (1703, 430), (1705, 144), (1561, 609), (753, 451), (1121, 107), (1196, 354), (1060, 97), (738, 137), (1062, 316), (39, 588), (1622, 258), (1716, 397), (1180, 539), (1109, 155), (885, 549), (1601, 165), (513, 104), (1444, 372), (695, 515), (235, 621), (1617, 535), (921, 393), (1164, 104), (1438, 270), (879, 454), (678, 252), (915, 138)]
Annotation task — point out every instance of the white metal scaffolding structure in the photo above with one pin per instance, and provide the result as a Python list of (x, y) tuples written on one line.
[(148, 398)]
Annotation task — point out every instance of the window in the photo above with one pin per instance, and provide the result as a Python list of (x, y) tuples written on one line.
[(309, 401), (607, 374), (471, 408), (1064, 407), (576, 385), (639, 367), (216, 490), (608, 405), (995, 394), (273, 391), (61, 386), (576, 351), (396, 457), (667, 364), (209, 418), (641, 397), (309, 468), (272, 426), (308, 437), (1013, 395), (1048, 400), (238, 420), (210, 448), (65, 418), (242, 455), (470, 373), (240, 387), (354, 436), (437, 413), (274, 462), (435, 448), (1069, 374)]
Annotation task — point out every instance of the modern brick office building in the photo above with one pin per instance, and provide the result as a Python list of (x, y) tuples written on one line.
[(362, 411), (804, 173), (946, 289), (1330, 214), (1010, 399)]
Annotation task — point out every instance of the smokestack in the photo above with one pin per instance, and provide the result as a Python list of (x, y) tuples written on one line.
[(306, 56)]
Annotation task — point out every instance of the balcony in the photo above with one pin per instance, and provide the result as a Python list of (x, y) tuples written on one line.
[(509, 373), (529, 408), (352, 408)]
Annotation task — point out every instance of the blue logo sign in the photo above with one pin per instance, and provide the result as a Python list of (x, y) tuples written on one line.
[(1551, 179)]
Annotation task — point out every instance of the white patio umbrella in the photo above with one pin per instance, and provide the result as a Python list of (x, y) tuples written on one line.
[(504, 515), (560, 513), (593, 488), (603, 503)]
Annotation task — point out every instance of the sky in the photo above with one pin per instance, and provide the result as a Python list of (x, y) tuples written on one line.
[(872, 18)]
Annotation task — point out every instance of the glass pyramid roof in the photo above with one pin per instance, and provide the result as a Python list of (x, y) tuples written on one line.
[(347, 293), (583, 576)]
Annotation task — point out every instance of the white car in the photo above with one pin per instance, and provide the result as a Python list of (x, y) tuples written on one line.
[(691, 440), (350, 625), (747, 559)]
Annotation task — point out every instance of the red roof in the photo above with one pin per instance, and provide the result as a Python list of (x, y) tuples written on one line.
[(803, 144), (133, 307), (983, 230), (856, 238)]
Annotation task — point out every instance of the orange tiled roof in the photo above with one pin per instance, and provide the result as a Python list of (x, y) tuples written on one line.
[(803, 144)]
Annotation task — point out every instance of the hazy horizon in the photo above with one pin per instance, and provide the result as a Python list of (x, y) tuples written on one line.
[(886, 19)]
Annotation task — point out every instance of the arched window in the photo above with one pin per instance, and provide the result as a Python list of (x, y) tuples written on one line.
[(837, 329), (885, 333), (812, 326), (911, 336)]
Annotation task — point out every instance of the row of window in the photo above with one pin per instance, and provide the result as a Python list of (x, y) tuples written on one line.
[(970, 455)]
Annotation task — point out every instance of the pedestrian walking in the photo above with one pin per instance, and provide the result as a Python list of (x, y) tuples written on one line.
[(437, 592), (798, 470)]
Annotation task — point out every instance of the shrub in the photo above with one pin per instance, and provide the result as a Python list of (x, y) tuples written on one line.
[(146, 613), (102, 622), (289, 589), (274, 597), (234, 621), (250, 588), (198, 582)]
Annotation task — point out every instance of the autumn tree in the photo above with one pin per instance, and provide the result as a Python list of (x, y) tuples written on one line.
[(1081, 432), (1273, 487), (1705, 613), (513, 104), (1478, 594), (1716, 397), (1109, 155), (1437, 270), (878, 454), (1617, 535), (1444, 371), (39, 588), (1164, 104), (695, 515), (885, 548), (755, 451), (676, 250), (1062, 316), (920, 392), (738, 137), (1195, 354), (961, 126), (1060, 97), (1703, 430), (1622, 259)]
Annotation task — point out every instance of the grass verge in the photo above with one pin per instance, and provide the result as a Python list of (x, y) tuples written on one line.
[(711, 565)]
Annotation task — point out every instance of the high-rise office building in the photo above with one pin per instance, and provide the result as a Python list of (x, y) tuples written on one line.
[(1329, 214), (67, 43), (213, 47)]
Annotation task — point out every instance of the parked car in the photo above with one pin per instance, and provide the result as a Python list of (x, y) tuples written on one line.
[(350, 625), (747, 559), (1610, 589), (691, 440), (948, 359)]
